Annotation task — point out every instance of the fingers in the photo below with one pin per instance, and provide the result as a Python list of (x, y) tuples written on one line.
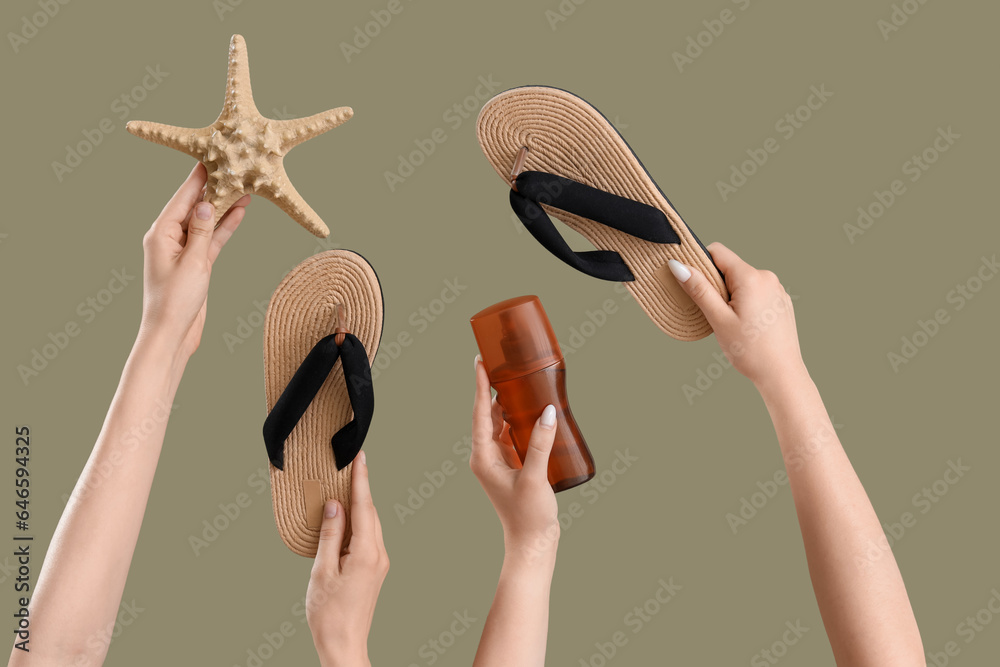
[(331, 538), (536, 461), (227, 226), (729, 262), (187, 195), (363, 518), (501, 436), (702, 292), (496, 414), (242, 201), (187, 218), (382, 555), (507, 450), (379, 542), (484, 453), (200, 230)]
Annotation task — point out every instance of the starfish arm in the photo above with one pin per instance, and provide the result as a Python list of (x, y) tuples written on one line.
[(183, 139), (294, 132), (239, 94), (287, 198)]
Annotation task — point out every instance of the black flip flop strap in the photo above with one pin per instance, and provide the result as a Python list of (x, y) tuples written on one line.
[(304, 386), (634, 218), (358, 375)]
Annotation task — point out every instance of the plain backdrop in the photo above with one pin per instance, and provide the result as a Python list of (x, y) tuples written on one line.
[(696, 461)]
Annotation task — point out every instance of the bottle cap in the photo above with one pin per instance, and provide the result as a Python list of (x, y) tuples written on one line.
[(515, 338)]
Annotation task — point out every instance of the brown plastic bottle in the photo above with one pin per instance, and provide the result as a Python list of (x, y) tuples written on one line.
[(527, 369)]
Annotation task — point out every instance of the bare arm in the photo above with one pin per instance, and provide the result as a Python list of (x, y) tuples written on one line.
[(516, 630), (863, 600), (74, 606)]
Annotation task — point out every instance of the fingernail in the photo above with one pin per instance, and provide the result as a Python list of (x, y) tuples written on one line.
[(364, 459), (548, 419), (330, 510), (681, 272), (203, 210), (475, 362)]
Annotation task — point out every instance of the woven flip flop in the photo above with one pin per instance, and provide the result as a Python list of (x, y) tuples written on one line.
[(560, 156), (321, 333)]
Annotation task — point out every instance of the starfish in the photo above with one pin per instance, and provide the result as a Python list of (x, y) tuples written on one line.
[(242, 150)]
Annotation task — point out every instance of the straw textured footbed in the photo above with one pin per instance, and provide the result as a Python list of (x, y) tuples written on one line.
[(300, 314), (568, 137)]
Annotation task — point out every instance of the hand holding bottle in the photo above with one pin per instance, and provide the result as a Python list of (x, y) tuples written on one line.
[(521, 495)]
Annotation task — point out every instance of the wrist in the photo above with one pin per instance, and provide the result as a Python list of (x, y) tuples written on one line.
[(155, 345), (166, 329), (538, 550), (341, 657), (340, 644), (781, 380)]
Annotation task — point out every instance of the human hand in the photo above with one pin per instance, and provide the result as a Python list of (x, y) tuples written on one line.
[(180, 248), (521, 496), (346, 580), (756, 328)]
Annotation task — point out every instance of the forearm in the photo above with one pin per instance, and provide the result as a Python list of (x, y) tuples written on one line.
[(516, 628), (862, 598), (345, 646), (81, 582), (339, 658)]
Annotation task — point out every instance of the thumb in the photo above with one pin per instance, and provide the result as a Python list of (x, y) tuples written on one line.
[(536, 461), (200, 229), (702, 292), (331, 539)]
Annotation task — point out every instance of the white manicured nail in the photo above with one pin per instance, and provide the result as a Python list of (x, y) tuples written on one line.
[(548, 419), (681, 272)]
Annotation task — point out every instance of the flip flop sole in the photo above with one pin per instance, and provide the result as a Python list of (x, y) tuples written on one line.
[(568, 137), (300, 314)]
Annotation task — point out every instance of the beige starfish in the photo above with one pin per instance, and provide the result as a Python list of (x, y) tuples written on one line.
[(242, 150)]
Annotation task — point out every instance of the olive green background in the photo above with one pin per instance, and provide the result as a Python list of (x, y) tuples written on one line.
[(665, 516)]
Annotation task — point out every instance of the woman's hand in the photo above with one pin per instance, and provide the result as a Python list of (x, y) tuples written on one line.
[(180, 249), (521, 496), (346, 580), (516, 629), (756, 328), (81, 581), (865, 609)]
